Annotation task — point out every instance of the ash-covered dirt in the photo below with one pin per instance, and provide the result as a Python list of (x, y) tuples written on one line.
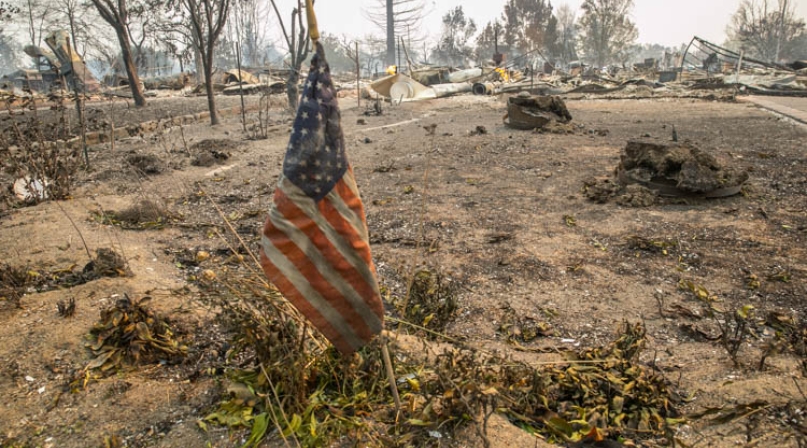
[(504, 212)]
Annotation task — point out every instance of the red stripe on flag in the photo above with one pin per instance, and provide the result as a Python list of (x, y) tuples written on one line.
[(304, 306), (344, 268), (308, 269), (344, 228)]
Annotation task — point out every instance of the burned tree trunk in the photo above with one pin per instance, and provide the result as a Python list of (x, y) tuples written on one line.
[(207, 21), (292, 89), (131, 69), (117, 15), (299, 47), (211, 98)]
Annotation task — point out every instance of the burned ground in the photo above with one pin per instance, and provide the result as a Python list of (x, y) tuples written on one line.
[(504, 214)]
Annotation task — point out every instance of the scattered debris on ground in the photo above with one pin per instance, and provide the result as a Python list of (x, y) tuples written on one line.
[(536, 112), (650, 169), (146, 164), (130, 333), (677, 169), (143, 214), (212, 152)]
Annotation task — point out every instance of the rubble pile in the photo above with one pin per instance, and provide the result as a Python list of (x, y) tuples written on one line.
[(677, 169), (528, 112), (650, 169)]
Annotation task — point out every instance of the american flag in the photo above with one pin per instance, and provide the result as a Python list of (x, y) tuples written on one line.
[(315, 246)]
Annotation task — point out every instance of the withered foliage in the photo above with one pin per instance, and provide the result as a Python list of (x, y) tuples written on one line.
[(13, 282), (27, 152), (432, 301), (285, 377), (517, 328), (16, 281), (66, 308), (130, 333), (596, 393)]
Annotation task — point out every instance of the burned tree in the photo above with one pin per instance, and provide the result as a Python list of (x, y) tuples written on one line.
[(528, 24), (250, 18), (397, 18), (116, 13), (767, 32), (457, 32), (489, 46), (7, 50), (37, 15), (299, 46), (567, 33), (606, 31), (208, 18)]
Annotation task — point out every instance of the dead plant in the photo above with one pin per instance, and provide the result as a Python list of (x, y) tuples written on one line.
[(736, 329), (68, 308), (283, 376), (432, 301), (13, 283), (130, 333), (142, 215), (44, 169)]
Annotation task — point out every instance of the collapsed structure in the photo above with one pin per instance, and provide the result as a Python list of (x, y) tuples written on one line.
[(704, 69), (59, 66)]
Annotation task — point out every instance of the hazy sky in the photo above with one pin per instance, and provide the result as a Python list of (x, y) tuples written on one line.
[(668, 22)]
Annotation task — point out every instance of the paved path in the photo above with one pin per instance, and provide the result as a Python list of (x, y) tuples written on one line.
[(795, 108)]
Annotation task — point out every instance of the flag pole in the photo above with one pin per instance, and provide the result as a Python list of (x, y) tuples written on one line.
[(313, 33)]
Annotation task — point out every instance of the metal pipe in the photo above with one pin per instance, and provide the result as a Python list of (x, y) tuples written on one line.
[(465, 75), (444, 90), (484, 88)]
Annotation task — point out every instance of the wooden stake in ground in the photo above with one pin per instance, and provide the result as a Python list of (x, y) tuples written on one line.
[(241, 86), (358, 77), (314, 35), (390, 371)]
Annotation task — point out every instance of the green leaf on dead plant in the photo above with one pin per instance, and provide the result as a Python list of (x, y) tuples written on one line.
[(417, 422), (560, 427), (259, 426), (232, 413), (745, 312), (698, 290), (293, 426)]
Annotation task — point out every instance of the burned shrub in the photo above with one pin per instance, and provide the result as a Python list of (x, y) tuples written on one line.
[(66, 308), (146, 164), (39, 169), (145, 214), (130, 332), (13, 282), (432, 301)]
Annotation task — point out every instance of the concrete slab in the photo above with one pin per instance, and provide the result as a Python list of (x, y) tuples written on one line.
[(795, 108)]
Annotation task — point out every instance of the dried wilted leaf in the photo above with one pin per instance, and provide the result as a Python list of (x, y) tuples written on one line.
[(128, 333)]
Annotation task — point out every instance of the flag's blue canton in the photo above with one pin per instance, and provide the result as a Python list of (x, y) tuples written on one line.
[(315, 158)]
